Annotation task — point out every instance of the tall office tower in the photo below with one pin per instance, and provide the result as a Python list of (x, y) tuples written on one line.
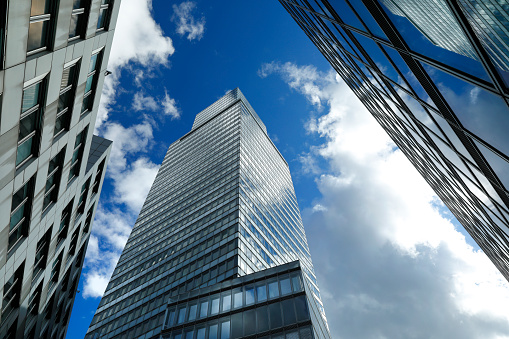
[(446, 112), (435, 20), (214, 251), (52, 63)]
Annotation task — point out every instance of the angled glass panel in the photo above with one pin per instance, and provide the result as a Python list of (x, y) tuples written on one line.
[(37, 35), (346, 14), (432, 31), (30, 97), (24, 150), (40, 7), (499, 165)]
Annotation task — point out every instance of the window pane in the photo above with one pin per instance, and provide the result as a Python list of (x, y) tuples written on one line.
[(301, 306), (61, 123), (213, 331), (37, 35), (93, 61), (236, 321), (225, 330), (77, 4), (296, 283), (227, 302), (275, 316), (27, 125), (237, 298), (87, 103), (249, 322), (102, 18), (16, 217), (30, 97), (39, 7), (250, 297), (90, 81), (204, 308), (273, 289), (261, 293), (262, 318), (288, 312), (19, 196), (286, 288), (24, 151), (214, 305), (74, 27), (181, 315), (192, 312), (200, 333)]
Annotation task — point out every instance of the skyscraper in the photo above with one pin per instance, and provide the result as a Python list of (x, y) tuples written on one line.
[(52, 66), (446, 112), (214, 250)]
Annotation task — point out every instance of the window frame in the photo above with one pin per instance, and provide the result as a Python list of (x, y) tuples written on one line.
[(47, 34), (93, 74), (70, 91), (22, 225), (77, 154)]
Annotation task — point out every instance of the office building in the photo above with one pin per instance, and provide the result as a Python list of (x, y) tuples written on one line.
[(446, 112), (52, 68), (218, 250)]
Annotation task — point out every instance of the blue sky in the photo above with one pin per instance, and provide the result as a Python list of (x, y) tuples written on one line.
[(386, 251)]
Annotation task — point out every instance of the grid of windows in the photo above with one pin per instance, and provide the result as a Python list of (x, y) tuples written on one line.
[(420, 94), (30, 121), (77, 154), (93, 75), (41, 254), (39, 31), (20, 213), (188, 235)]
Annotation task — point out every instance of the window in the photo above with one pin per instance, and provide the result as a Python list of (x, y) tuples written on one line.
[(66, 98), (98, 176), (93, 74), (64, 223), (39, 29), (30, 120), (104, 15), (55, 270), (83, 197), (78, 25), (20, 213), (88, 220), (41, 254), (74, 243), (12, 290), (35, 301), (53, 181), (79, 146)]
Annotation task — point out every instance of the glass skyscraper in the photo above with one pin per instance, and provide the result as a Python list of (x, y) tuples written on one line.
[(448, 113), (218, 250)]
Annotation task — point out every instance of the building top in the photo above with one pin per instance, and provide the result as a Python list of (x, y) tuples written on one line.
[(217, 107)]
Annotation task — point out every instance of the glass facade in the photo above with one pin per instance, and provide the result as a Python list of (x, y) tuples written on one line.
[(445, 108), (213, 214)]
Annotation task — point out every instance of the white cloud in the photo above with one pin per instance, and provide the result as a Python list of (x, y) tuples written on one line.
[(389, 264), (170, 106), (138, 39), (186, 23), (143, 102)]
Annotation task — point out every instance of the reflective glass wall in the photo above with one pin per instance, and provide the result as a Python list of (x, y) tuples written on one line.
[(443, 98)]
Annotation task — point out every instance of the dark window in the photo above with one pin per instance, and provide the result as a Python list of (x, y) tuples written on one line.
[(40, 26), (93, 75), (78, 25), (98, 176), (30, 121), (41, 254), (74, 242), (301, 306), (104, 15), (236, 321), (53, 181), (262, 319), (65, 220), (12, 290), (20, 213), (66, 98), (275, 316), (288, 312), (83, 197), (55, 269), (88, 220), (35, 301), (77, 155), (249, 322)]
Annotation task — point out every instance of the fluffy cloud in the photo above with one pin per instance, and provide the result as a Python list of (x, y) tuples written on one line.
[(186, 23), (389, 263), (143, 102), (170, 106), (138, 39)]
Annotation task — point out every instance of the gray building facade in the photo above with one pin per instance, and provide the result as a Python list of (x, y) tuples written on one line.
[(446, 112), (222, 207), (52, 67)]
